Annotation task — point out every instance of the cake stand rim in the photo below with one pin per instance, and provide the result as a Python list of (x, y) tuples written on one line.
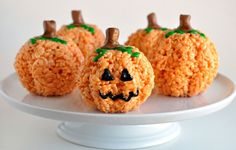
[(164, 116)]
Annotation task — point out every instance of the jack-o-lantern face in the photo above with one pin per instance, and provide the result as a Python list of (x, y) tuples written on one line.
[(116, 79), (125, 76)]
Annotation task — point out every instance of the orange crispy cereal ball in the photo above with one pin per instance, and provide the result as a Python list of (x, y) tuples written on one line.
[(49, 66), (87, 37), (116, 78), (144, 39), (185, 62)]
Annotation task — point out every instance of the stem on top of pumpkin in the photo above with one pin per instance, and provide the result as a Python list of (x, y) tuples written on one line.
[(49, 29), (152, 21), (112, 35), (185, 23), (77, 17)]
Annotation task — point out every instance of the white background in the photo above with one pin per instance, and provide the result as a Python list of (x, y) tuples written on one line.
[(22, 19)]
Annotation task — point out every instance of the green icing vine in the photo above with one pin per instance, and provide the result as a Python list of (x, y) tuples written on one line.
[(102, 51), (193, 31), (86, 27), (149, 29), (34, 40)]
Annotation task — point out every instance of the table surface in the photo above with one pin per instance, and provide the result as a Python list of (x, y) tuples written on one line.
[(21, 131)]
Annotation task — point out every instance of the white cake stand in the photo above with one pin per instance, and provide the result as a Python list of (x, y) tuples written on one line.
[(154, 123)]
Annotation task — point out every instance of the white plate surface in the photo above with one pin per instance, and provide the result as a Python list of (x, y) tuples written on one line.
[(157, 109)]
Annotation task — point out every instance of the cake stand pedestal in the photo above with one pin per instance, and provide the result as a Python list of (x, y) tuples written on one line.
[(118, 136), (154, 123)]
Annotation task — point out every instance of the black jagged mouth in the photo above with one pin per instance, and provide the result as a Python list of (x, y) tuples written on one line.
[(119, 96)]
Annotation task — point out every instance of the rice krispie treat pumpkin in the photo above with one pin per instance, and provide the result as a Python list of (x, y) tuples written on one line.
[(48, 65), (116, 78), (144, 39), (185, 62), (87, 37)]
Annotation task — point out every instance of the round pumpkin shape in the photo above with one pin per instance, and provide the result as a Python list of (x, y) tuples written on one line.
[(48, 65), (185, 61), (116, 78), (87, 37), (144, 39)]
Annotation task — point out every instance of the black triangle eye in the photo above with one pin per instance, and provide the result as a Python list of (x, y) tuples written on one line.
[(106, 76), (125, 76)]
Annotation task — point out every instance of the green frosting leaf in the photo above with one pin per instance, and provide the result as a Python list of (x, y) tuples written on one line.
[(202, 35), (179, 31), (193, 31), (135, 54), (100, 52), (34, 40), (169, 33), (70, 26), (86, 27), (148, 29), (127, 49), (163, 29), (89, 28)]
